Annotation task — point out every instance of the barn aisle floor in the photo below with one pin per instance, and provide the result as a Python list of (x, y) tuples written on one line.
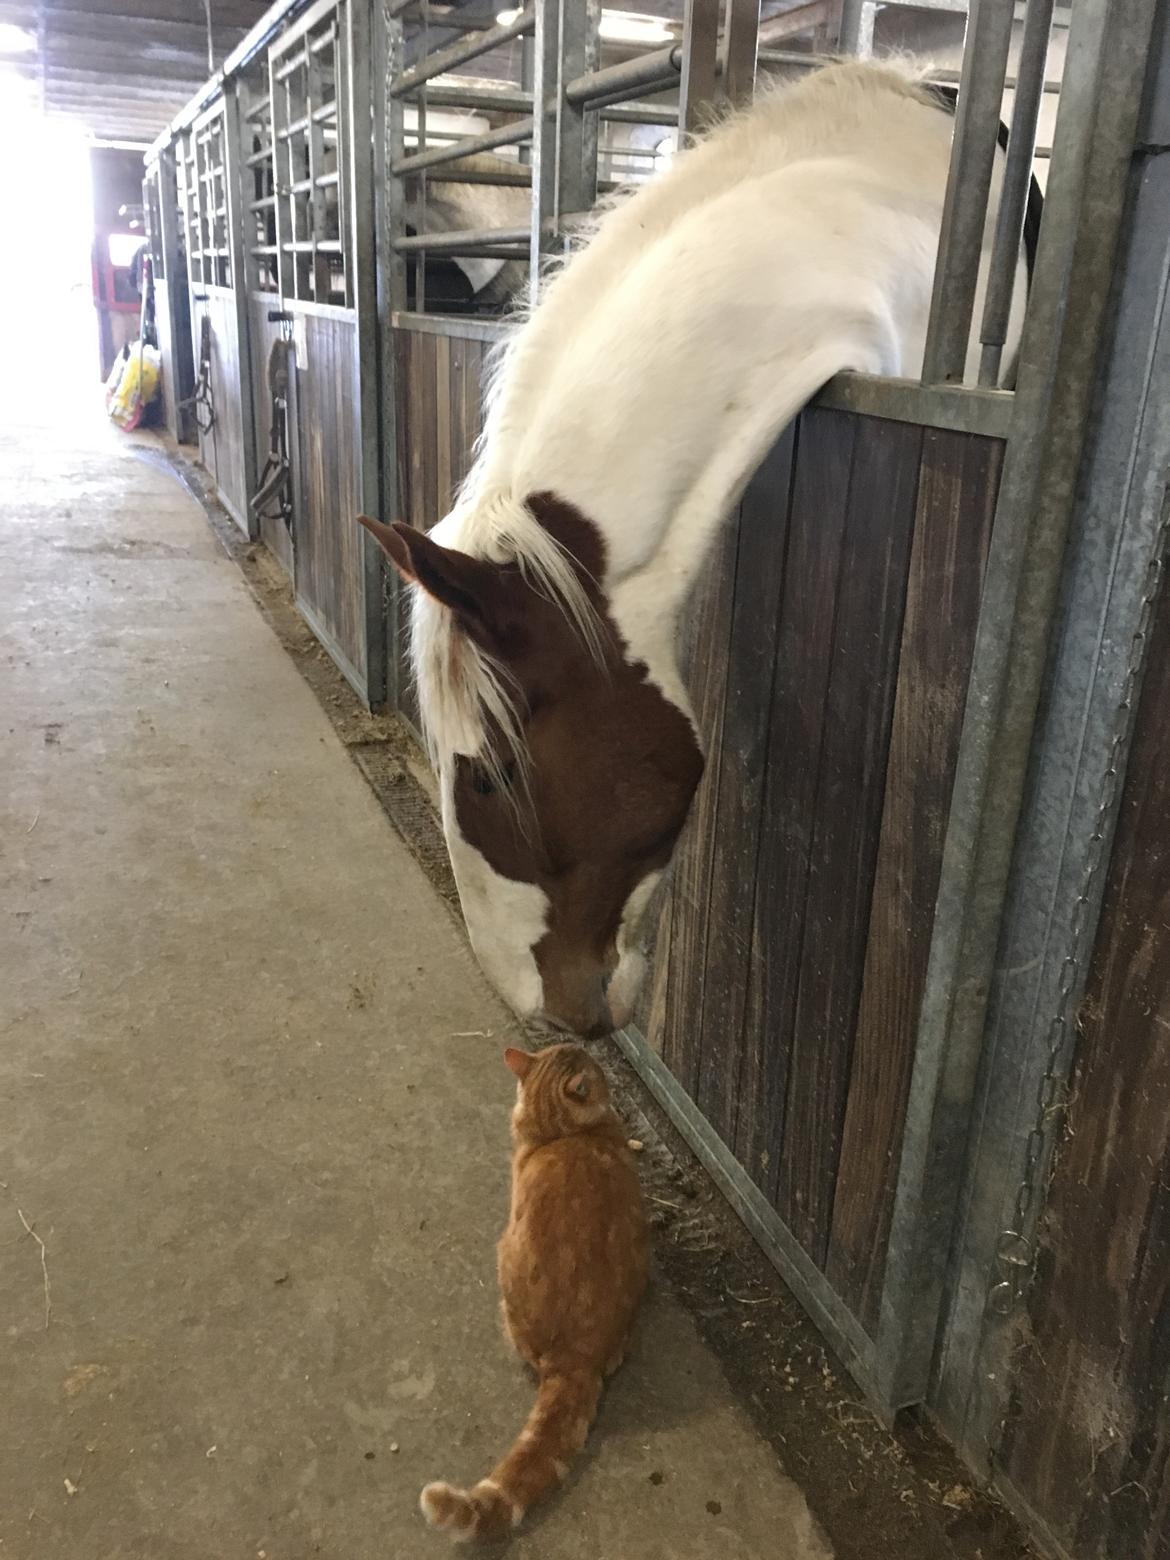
[(244, 1106)]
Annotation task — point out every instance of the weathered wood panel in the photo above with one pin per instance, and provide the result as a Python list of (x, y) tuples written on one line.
[(704, 661), (804, 657), (330, 580), (439, 414), (261, 334), (735, 830), (828, 655), (871, 593), (956, 501), (1089, 1439)]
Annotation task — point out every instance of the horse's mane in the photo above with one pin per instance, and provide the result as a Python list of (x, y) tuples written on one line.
[(469, 701)]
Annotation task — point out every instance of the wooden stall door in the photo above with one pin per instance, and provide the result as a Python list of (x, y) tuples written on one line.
[(828, 656)]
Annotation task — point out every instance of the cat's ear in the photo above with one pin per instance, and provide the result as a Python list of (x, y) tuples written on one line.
[(578, 1087), (519, 1061)]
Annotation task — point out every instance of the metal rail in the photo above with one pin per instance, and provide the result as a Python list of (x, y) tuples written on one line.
[(1014, 196), (977, 118), (462, 53)]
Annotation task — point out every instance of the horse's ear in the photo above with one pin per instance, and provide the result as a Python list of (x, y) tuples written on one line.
[(470, 587)]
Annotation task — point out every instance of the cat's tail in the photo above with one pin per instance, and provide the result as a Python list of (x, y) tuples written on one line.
[(556, 1429)]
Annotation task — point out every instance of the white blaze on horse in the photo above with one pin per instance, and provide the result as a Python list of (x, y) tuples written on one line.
[(628, 414)]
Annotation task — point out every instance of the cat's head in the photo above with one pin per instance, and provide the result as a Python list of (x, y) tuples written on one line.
[(561, 1090)]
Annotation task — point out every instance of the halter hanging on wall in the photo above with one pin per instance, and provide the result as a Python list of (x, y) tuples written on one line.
[(203, 399), (275, 480)]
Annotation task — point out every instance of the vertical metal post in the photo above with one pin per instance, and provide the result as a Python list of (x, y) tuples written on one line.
[(527, 66), (1017, 176), (1087, 192), (390, 278), (580, 30), (281, 181), (235, 196), (394, 185), (546, 106), (420, 145), (347, 149), (855, 35), (315, 141), (977, 119), (355, 122), (741, 27), (700, 47), (171, 221)]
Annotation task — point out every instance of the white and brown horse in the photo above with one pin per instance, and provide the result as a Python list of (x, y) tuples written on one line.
[(627, 415)]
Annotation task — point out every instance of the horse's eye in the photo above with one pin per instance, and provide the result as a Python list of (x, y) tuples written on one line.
[(485, 782)]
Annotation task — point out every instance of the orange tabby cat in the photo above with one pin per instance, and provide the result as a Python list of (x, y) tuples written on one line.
[(573, 1263)]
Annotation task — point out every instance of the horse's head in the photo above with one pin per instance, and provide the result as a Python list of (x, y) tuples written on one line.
[(566, 773)]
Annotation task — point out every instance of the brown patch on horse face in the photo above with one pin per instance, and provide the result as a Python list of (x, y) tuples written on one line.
[(612, 768)]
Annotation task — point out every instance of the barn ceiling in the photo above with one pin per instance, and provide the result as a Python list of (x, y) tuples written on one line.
[(122, 69), (119, 68)]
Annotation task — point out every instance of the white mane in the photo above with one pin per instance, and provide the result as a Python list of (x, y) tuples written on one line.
[(573, 398)]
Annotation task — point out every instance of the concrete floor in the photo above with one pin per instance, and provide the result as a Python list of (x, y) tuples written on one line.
[(244, 1104)]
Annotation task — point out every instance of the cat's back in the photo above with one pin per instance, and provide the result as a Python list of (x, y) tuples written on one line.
[(574, 1259)]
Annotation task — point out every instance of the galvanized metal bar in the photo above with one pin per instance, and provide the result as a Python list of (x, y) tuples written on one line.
[(519, 178), (171, 219), (640, 114), (233, 182), (1087, 191), (1017, 176), (977, 119), (469, 48), (354, 121), (420, 142), (391, 182), (620, 95), (504, 135), (957, 408), (453, 242), (659, 68), (292, 62), (281, 178), (580, 54), (346, 149), (316, 145), (698, 64), (741, 27), (390, 284), (545, 65), (487, 100), (855, 35)]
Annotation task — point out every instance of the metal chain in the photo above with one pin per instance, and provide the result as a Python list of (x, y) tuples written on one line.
[(1015, 1250)]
